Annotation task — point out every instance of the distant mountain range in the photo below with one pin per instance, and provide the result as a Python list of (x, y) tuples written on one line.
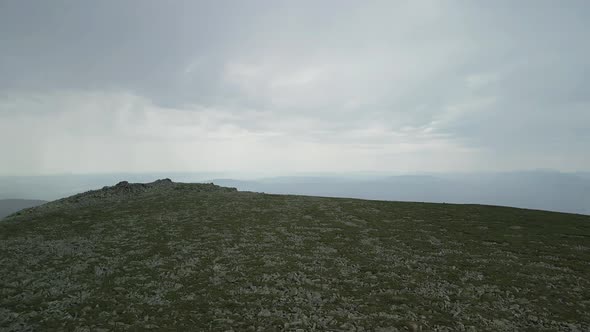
[(541, 190), (544, 190)]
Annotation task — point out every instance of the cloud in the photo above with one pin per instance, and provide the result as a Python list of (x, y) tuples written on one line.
[(283, 86), (94, 132)]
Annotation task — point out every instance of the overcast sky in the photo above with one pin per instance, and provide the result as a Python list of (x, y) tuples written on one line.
[(298, 86)]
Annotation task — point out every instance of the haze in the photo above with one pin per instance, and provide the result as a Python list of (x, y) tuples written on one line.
[(281, 88)]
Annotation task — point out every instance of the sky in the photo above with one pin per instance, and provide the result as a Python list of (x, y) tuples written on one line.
[(293, 86)]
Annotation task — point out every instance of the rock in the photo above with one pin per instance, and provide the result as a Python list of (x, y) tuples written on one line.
[(163, 181), (413, 326), (264, 313)]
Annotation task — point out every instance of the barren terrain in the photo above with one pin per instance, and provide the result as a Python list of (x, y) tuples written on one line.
[(168, 256)]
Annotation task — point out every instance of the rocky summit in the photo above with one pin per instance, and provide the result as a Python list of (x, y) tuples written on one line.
[(199, 257), (123, 191)]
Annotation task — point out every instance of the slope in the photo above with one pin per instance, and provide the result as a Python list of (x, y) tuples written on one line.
[(10, 206), (170, 256)]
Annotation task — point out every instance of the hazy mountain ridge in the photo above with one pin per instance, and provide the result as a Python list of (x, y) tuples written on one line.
[(541, 190), (545, 190)]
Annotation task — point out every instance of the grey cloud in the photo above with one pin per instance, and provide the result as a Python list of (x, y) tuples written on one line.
[(500, 77)]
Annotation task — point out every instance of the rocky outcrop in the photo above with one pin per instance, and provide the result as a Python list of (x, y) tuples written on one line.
[(125, 190)]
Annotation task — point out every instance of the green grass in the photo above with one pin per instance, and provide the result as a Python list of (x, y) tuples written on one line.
[(187, 260)]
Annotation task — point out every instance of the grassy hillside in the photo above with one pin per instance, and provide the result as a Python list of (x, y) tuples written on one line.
[(168, 256), (10, 206)]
